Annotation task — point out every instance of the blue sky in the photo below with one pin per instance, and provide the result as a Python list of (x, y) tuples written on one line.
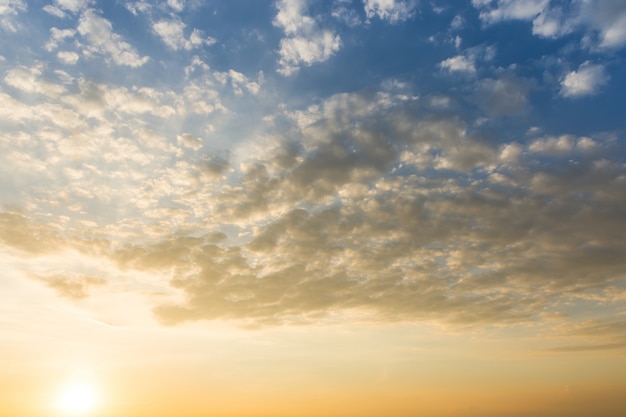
[(408, 160)]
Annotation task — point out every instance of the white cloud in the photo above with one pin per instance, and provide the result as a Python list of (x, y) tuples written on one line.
[(554, 146), (138, 7), (603, 21), (57, 36), (9, 8), (609, 18), (189, 141), (68, 57), (393, 11), (586, 81), (346, 15), (29, 80), (458, 63), (492, 11), (305, 43), (177, 5), (238, 80), (317, 47), (99, 32), (457, 22), (73, 6), (172, 34), (54, 11)]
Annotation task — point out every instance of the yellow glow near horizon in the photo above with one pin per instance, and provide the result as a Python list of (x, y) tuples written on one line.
[(77, 398)]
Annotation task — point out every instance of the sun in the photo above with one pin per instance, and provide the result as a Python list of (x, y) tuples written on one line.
[(77, 398)]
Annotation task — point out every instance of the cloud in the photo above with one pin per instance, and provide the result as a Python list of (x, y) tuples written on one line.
[(592, 335), (189, 141), (9, 8), (57, 36), (393, 11), (492, 11), (29, 80), (401, 246), (68, 57), (458, 63), (507, 95), (74, 288), (369, 203), (73, 6), (586, 81), (603, 22), (305, 43), (102, 40), (20, 232), (54, 11), (172, 34)]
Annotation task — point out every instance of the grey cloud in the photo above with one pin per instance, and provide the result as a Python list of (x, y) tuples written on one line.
[(19, 232), (592, 335), (506, 95), (376, 206), (348, 233), (75, 288)]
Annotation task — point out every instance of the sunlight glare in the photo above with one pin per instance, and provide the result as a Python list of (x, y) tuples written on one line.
[(77, 398)]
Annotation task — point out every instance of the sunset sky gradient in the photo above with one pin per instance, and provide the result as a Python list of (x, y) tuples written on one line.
[(346, 208)]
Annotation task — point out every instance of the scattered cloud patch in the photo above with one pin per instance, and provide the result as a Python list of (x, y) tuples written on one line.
[(506, 96), (98, 31), (172, 34), (30, 80), (54, 11), (8, 9), (393, 11), (587, 80), (74, 6), (305, 43), (493, 11), (68, 57), (189, 141), (74, 288), (458, 63)]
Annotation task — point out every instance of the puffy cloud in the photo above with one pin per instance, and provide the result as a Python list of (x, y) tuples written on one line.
[(177, 5), (604, 20), (57, 36), (307, 50), (189, 141), (458, 63), (68, 57), (102, 40), (587, 80), (305, 43), (30, 80), (9, 8), (172, 34), (393, 11)]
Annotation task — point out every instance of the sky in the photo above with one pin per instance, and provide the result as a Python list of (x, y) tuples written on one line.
[(316, 208)]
